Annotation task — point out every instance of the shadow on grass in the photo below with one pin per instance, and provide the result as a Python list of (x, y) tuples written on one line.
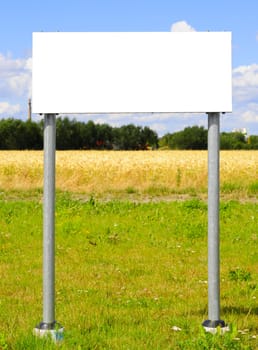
[(239, 310), (235, 310)]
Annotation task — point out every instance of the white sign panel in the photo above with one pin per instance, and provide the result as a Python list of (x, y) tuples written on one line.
[(131, 72)]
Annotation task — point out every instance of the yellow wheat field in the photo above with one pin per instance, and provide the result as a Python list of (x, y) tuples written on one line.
[(101, 172)]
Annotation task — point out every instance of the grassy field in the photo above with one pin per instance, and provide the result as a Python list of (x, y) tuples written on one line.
[(131, 273)]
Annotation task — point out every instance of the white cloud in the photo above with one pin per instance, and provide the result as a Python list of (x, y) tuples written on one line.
[(245, 83), (15, 77), (150, 117), (7, 108), (182, 26), (248, 113), (245, 75), (19, 84), (161, 129), (7, 63), (250, 116)]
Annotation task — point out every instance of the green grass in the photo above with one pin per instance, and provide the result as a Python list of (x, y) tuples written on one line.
[(126, 273)]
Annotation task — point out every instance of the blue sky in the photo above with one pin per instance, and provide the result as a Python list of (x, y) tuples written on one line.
[(19, 18)]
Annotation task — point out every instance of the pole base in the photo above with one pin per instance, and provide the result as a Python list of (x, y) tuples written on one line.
[(212, 326), (54, 330)]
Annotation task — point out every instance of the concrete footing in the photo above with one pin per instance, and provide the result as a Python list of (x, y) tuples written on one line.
[(53, 330), (215, 326)]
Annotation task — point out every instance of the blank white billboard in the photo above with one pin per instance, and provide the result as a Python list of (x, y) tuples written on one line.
[(96, 72)]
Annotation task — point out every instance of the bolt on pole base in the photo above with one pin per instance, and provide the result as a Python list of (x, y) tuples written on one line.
[(53, 330), (214, 326)]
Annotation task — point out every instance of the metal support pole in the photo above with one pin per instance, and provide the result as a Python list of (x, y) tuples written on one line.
[(49, 220), (213, 224), (213, 217), (48, 323)]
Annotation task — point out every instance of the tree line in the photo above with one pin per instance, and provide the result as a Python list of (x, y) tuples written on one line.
[(71, 134), (196, 138)]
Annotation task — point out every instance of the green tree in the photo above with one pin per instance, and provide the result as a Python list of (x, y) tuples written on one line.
[(149, 138), (12, 134), (89, 135), (191, 138), (127, 137), (104, 136), (232, 140), (33, 135), (253, 142), (67, 134)]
